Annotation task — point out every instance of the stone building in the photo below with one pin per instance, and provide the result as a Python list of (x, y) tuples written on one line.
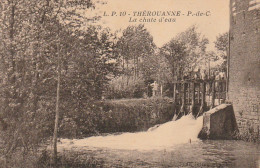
[(244, 65)]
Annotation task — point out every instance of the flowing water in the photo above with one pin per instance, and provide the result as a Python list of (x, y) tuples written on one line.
[(173, 144)]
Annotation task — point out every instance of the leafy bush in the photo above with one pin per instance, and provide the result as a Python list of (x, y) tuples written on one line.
[(125, 115), (126, 87)]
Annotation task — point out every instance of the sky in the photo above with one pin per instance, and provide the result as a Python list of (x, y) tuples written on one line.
[(209, 26)]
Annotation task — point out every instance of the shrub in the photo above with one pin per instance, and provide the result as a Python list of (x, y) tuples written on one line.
[(126, 87), (125, 115)]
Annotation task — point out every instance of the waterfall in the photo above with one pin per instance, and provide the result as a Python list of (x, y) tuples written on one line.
[(184, 130)]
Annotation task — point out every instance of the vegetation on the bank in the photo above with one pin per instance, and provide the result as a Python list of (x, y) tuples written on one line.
[(247, 135), (125, 115)]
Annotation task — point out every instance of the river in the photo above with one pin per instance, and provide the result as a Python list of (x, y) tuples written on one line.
[(173, 144)]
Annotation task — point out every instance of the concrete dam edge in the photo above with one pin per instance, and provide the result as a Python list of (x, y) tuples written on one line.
[(219, 123)]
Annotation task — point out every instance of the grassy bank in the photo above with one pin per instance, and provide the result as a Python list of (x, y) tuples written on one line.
[(43, 159)]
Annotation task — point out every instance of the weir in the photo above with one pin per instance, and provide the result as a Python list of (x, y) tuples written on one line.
[(217, 123), (192, 99), (169, 134), (197, 96)]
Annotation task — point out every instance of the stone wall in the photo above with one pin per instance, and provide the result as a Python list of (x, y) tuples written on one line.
[(244, 66)]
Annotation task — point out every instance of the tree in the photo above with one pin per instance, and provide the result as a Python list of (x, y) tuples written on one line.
[(34, 48), (61, 13), (17, 42), (135, 44), (185, 51), (175, 53), (222, 46), (90, 66)]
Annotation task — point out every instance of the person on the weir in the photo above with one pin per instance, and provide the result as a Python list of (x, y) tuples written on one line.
[(155, 88)]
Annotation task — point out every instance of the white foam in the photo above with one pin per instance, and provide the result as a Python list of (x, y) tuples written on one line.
[(184, 130)]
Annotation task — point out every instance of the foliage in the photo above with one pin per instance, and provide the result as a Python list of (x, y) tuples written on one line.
[(122, 115), (129, 115), (175, 53), (135, 51), (32, 40), (126, 87), (184, 52), (195, 45), (135, 45), (222, 46)]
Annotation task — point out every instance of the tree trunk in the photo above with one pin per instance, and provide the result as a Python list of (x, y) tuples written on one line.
[(12, 51), (127, 78), (55, 133), (137, 67), (134, 68)]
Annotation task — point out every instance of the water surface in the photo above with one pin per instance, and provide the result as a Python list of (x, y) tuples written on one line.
[(173, 144)]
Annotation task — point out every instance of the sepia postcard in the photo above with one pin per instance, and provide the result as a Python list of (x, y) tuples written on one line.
[(129, 83)]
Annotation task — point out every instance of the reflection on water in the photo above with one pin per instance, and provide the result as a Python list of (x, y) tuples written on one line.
[(167, 146)]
